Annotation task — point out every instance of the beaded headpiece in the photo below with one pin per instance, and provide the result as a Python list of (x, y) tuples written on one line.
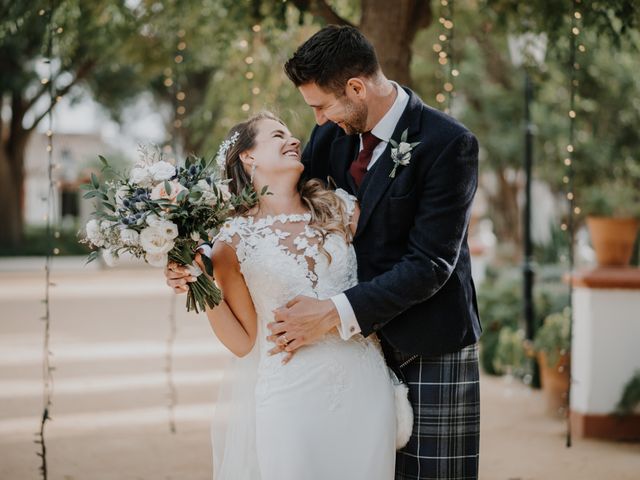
[(221, 157)]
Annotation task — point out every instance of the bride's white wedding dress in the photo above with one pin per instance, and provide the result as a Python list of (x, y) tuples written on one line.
[(329, 413)]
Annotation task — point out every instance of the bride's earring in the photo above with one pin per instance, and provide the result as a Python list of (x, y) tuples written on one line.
[(253, 170)]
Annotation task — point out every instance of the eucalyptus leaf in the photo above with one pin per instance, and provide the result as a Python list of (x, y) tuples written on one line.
[(182, 195), (92, 256)]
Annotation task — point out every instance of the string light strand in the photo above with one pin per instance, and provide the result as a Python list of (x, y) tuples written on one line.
[(47, 369), (568, 180)]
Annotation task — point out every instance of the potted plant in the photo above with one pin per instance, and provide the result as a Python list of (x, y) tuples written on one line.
[(551, 344), (612, 212)]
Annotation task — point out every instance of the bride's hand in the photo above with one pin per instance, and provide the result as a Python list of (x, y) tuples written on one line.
[(178, 277)]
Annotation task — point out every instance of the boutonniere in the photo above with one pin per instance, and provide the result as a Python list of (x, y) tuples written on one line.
[(401, 152)]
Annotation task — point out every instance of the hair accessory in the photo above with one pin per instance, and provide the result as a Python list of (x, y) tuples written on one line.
[(221, 157)]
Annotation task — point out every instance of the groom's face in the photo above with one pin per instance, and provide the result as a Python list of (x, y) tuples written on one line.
[(348, 113)]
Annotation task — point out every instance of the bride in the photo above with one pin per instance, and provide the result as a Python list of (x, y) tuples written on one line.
[(328, 412)]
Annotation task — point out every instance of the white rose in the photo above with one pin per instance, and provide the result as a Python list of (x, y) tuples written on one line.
[(141, 176), (169, 229), (161, 171), (195, 236), (158, 192), (109, 257), (154, 240), (157, 259), (404, 147), (129, 237), (203, 185), (154, 220), (94, 234)]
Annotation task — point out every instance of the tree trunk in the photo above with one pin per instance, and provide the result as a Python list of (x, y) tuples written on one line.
[(11, 200), (13, 144), (392, 27), (506, 213)]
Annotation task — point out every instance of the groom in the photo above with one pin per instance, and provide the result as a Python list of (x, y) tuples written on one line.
[(415, 289)]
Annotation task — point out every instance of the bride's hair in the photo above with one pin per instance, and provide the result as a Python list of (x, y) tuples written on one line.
[(328, 211)]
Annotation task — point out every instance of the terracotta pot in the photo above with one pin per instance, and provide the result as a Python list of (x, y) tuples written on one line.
[(613, 239), (555, 383)]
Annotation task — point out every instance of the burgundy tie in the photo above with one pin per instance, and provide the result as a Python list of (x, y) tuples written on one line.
[(359, 166)]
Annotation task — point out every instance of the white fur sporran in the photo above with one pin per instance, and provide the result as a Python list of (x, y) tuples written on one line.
[(404, 411)]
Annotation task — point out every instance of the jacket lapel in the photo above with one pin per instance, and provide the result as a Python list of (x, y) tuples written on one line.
[(343, 151), (380, 180)]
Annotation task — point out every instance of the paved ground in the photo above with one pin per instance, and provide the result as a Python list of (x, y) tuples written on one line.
[(108, 336)]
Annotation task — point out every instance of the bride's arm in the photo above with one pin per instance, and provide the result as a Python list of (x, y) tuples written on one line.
[(234, 320)]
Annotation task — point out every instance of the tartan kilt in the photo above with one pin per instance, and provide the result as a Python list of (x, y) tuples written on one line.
[(444, 391)]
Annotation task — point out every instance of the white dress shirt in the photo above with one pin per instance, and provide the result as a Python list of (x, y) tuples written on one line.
[(383, 130)]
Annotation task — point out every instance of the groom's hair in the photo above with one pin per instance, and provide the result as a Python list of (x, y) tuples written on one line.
[(331, 57)]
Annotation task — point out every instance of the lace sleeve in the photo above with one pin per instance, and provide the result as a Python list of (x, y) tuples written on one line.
[(232, 233), (348, 200), (227, 231)]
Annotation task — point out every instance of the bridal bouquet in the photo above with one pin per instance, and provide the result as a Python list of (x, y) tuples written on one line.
[(161, 212)]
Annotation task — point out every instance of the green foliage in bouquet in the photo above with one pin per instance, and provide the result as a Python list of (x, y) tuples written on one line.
[(161, 213)]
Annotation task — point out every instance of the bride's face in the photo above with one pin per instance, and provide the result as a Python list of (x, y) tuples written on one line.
[(275, 150)]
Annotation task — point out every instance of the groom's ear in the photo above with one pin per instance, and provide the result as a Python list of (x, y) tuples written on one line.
[(356, 88)]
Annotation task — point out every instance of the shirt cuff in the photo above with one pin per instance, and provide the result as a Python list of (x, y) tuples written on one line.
[(348, 323)]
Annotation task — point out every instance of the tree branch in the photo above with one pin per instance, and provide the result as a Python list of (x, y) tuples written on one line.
[(83, 71), (321, 9)]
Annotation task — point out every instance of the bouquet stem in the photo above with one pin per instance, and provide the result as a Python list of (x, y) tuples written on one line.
[(203, 293)]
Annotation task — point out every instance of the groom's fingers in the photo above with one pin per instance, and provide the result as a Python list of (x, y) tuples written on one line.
[(276, 328), (288, 357), (294, 345), (293, 301)]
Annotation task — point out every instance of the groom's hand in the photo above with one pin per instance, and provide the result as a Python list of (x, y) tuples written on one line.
[(302, 321)]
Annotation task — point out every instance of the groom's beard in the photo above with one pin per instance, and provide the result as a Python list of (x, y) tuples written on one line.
[(355, 120)]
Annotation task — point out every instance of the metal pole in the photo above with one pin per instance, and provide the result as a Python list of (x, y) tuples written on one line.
[(527, 266)]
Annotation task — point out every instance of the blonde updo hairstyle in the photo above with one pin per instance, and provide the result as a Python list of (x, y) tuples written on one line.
[(328, 213)]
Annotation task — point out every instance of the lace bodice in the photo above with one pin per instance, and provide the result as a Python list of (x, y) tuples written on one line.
[(280, 257)]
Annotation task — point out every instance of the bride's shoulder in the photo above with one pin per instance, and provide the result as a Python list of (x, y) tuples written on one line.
[(350, 202), (232, 229)]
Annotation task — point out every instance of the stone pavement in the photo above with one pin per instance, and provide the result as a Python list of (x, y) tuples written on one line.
[(110, 418)]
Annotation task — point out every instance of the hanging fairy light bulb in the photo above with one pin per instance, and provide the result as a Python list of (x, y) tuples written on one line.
[(444, 49), (249, 61)]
